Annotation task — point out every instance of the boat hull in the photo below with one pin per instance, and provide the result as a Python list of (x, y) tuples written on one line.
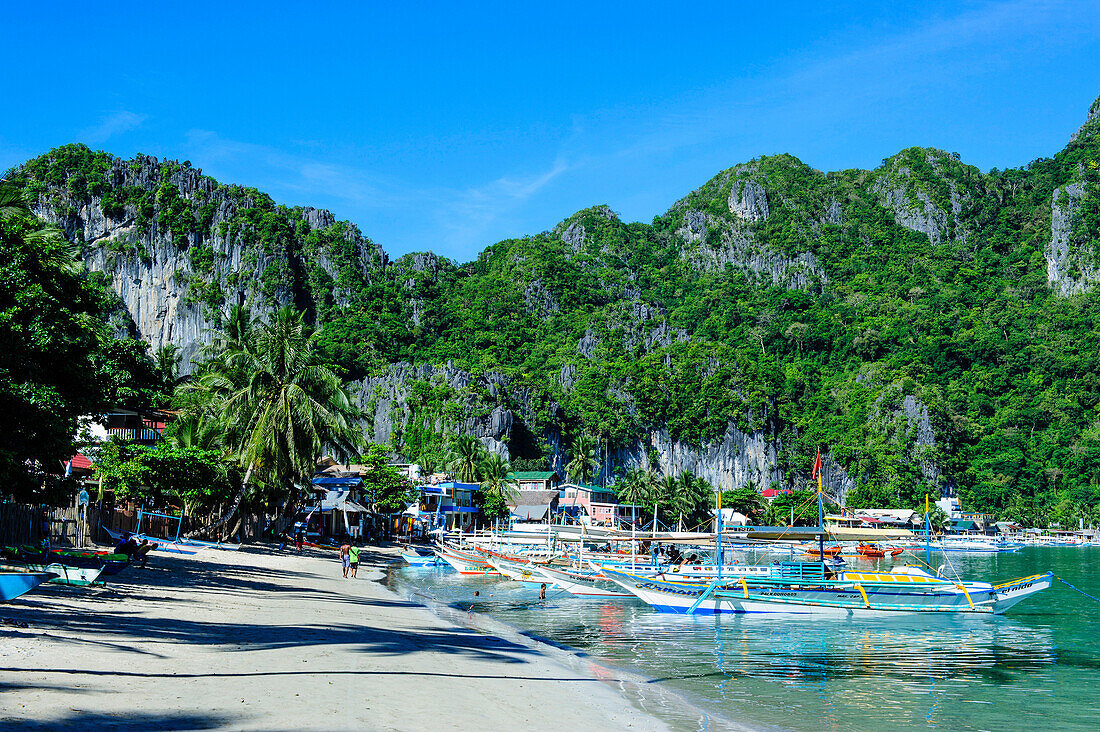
[(576, 583), (15, 584), (465, 564), (419, 560), (62, 574)]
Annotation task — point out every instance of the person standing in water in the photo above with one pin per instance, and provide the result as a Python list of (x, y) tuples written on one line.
[(353, 556), (345, 558)]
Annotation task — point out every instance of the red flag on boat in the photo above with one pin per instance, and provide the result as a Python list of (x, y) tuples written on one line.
[(817, 465)]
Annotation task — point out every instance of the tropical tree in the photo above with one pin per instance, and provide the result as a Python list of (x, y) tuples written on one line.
[(465, 458), (745, 500), (663, 491), (635, 488), (276, 402), (584, 458), (689, 496), (388, 490), (498, 486), (58, 359)]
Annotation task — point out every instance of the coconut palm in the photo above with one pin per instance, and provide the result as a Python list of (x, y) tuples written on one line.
[(278, 407), (55, 251), (584, 458), (429, 465), (635, 488), (687, 496), (466, 457), (497, 478), (193, 429)]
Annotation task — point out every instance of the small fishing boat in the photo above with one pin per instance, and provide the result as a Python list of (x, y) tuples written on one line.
[(112, 563), (871, 551), (14, 584), (415, 558), (187, 547), (69, 570)]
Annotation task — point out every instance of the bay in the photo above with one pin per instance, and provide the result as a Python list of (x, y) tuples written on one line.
[(1036, 667)]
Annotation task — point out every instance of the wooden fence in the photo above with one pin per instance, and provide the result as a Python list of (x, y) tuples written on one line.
[(22, 524)]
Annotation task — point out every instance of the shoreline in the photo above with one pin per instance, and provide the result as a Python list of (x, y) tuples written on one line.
[(261, 639), (672, 707)]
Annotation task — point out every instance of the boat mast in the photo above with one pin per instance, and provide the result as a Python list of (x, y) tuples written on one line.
[(719, 533), (927, 535), (820, 511)]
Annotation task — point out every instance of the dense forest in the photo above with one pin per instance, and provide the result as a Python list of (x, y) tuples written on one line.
[(809, 307)]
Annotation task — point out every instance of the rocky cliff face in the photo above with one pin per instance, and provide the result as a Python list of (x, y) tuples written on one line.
[(179, 248), (1072, 265)]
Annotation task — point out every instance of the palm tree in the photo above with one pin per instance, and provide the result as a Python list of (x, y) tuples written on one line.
[(275, 402), (497, 478), (193, 429), (687, 495), (635, 488), (663, 492), (465, 458), (55, 251), (585, 458), (429, 464)]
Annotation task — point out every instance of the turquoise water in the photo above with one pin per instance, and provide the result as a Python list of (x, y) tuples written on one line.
[(1038, 667)]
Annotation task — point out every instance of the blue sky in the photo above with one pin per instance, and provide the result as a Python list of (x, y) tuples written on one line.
[(448, 127)]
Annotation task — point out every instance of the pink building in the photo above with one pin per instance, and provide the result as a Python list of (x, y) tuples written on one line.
[(596, 504)]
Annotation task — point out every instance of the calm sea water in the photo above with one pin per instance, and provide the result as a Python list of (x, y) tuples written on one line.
[(1036, 668)]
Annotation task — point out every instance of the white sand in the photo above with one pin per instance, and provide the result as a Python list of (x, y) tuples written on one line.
[(263, 640)]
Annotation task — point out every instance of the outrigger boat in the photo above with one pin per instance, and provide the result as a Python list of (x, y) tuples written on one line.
[(587, 584), (414, 558), (807, 588), (524, 573), (465, 562), (14, 584)]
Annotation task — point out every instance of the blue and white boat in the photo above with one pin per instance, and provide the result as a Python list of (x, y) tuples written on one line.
[(415, 559), (809, 588), (14, 584)]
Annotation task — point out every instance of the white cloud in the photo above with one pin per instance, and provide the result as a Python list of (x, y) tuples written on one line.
[(468, 215), (115, 123)]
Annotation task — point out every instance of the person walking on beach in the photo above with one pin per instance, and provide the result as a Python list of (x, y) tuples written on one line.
[(353, 556), (345, 558)]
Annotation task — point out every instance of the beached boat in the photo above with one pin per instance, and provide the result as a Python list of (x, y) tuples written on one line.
[(112, 563), (186, 547), (414, 558), (14, 584), (808, 588), (70, 570), (63, 574)]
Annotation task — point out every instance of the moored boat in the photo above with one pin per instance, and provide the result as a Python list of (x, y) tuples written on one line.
[(808, 588), (465, 562)]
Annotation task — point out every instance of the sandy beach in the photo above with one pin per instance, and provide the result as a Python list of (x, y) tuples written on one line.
[(261, 639)]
